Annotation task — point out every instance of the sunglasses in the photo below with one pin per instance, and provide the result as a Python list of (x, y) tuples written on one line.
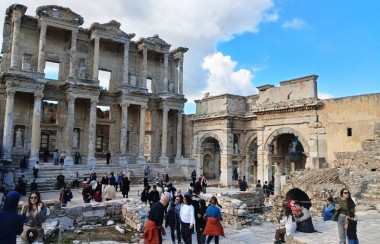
[(346, 192), (33, 197)]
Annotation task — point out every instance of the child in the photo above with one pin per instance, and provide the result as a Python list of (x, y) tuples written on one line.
[(288, 227), (351, 228)]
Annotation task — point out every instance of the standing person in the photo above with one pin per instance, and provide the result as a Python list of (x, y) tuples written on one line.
[(11, 223), (93, 175), (86, 193), (22, 182), (62, 158), (146, 181), (288, 227), (213, 226), (270, 188), (65, 195), (117, 180), (258, 183), (104, 182), (125, 187), (193, 176), (109, 192), (77, 157), (173, 219), (46, 154), (187, 219), (108, 157), (204, 184), (154, 196), (76, 179), (343, 204), (36, 168), (112, 179), (33, 185), (265, 189), (351, 228), (144, 195), (199, 206), (56, 157), (35, 214), (153, 228), (60, 180)]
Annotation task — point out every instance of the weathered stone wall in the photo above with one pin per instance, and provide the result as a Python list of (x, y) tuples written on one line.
[(357, 113)]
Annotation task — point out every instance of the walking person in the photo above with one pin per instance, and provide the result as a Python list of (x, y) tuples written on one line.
[(173, 219), (56, 157), (213, 228), (199, 206), (187, 219), (11, 223), (86, 193), (33, 185), (154, 231), (204, 185), (343, 205), (34, 213)]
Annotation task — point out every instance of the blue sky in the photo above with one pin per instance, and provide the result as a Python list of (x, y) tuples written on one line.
[(237, 45), (337, 40)]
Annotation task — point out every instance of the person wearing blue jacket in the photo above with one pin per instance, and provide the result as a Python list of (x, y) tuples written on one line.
[(11, 223), (329, 209)]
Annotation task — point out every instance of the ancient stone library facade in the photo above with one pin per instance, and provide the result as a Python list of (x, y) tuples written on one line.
[(282, 129)]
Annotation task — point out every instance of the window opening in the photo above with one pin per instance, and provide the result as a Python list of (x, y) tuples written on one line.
[(51, 70), (149, 85), (349, 131), (104, 79)]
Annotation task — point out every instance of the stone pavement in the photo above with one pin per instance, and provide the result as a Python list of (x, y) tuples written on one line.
[(368, 223)]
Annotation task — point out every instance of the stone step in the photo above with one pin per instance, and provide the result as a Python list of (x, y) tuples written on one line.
[(370, 199)]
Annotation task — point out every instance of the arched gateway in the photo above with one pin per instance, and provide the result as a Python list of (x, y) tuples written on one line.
[(285, 151), (210, 156)]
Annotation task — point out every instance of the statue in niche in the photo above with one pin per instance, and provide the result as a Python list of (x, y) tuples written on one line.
[(82, 68), (75, 138), (171, 87), (18, 138)]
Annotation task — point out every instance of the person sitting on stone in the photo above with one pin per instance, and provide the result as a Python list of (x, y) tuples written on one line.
[(304, 222), (243, 185), (288, 226), (329, 209)]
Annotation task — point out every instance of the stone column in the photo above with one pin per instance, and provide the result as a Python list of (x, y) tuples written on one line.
[(141, 159), (15, 39), (73, 52), (164, 138), (145, 67), (226, 169), (91, 160), (96, 58), (179, 135), (125, 63), (166, 71), (124, 134), (69, 129), (41, 48), (277, 184), (8, 126), (36, 130), (180, 76)]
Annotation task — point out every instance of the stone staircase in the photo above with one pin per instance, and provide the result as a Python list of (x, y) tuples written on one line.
[(371, 194), (48, 173)]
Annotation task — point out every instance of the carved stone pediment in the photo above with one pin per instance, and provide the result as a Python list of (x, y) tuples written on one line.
[(153, 43), (113, 26), (59, 13), (15, 7)]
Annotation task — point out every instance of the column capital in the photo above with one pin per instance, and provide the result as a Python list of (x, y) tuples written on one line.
[(124, 105), (143, 107), (38, 95), (165, 109), (70, 98), (10, 92)]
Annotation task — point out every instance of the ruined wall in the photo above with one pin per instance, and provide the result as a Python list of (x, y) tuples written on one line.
[(357, 113)]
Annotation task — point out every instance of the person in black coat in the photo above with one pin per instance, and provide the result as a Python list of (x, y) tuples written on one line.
[(154, 196), (125, 187), (173, 219), (11, 223)]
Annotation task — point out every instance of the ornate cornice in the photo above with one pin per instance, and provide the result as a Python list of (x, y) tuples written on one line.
[(16, 7)]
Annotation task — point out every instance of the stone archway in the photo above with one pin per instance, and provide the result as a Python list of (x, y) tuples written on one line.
[(250, 151), (299, 195), (287, 151), (210, 150)]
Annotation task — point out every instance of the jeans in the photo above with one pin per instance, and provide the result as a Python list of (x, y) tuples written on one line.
[(341, 229), (176, 228), (209, 239), (186, 232), (350, 241)]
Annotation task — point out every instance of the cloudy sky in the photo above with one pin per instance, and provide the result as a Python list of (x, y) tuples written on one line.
[(237, 45)]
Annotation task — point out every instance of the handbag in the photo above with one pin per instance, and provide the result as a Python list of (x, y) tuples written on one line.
[(335, 216)]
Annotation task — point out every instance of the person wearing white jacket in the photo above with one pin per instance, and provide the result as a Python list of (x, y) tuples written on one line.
[(187, 219), (288, 227)]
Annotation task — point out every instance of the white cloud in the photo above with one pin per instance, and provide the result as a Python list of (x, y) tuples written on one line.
[(196, 24), (325, 95), (298, 24), (223, 78)]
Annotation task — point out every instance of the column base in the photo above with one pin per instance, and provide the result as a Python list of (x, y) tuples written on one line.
[(164, 160), (141, 160), (32, 162), (69, 161), (91, 162), (123, 162)]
